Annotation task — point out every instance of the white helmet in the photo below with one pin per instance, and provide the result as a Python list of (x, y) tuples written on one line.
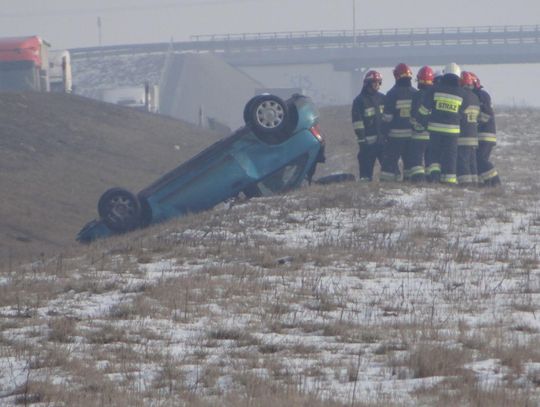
[(452, 69)]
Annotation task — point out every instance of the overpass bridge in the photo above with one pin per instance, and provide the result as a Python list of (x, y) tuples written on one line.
[(329, 65), (354, 51)]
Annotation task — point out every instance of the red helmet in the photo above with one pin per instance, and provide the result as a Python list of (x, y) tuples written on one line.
[(425, 76), (402, 71), (372, 76), (476, 80), (467, 79)]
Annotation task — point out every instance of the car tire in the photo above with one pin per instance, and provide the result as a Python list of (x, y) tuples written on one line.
[(248, 108), (268, 117), (119, 209)]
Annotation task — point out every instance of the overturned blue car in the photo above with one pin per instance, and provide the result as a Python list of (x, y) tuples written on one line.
[(277, 149)]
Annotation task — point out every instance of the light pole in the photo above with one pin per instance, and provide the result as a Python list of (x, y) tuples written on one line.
[(354, 21), (99, 30)]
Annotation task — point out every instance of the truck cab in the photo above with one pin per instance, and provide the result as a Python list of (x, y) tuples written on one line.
[(24, 64)]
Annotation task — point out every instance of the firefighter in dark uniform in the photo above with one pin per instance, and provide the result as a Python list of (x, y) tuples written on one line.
[(440, 112), (367, 111), (487, 139), (428, 161), (397, 127), (468, 138), (420, 135)]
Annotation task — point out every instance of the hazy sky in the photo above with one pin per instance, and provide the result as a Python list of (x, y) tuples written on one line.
[(73, 23)]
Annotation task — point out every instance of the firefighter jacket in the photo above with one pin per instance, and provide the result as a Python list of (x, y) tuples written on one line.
[(367, 110), (397, 110), (442, 107), (486, 120), (419, 132), (469, 120)]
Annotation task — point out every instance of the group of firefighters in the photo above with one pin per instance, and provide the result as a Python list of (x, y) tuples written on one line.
[(444, 131)]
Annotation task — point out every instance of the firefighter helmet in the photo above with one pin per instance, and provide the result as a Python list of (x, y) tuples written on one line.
[(425, 76), (372, 76), (467, 79), (452, 69), (402, 71)]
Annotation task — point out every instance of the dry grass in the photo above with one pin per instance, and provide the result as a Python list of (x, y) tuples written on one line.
[(344, 295)]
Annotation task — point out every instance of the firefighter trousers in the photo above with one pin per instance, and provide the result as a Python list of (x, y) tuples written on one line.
[(443, 151), (417, 161), (466, 165), (395, 148), (487, 173), (367, 156)]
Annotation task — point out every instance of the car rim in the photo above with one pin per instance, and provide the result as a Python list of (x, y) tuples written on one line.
[(270, 114), (122, 208)]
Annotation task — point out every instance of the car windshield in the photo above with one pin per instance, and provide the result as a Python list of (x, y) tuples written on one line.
[(18, 76), (283, 179)]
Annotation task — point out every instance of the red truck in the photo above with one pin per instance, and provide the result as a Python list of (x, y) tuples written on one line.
[(24, 64)]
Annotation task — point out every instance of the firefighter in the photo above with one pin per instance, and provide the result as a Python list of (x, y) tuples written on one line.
[(468, 138), (487, 139), (440, 111), (367, 111), (428, 161), (420, 135), (397, 128)]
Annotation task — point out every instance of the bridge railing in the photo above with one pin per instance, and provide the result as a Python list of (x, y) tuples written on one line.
[(328, 39), (477, 35), (388, 32)]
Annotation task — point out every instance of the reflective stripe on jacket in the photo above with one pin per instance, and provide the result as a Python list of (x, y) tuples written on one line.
[(397, 111), (441, 108), (366, 116), (469, 120), (486, 123)]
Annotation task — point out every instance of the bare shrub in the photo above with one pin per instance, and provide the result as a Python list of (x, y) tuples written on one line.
[(62, 329), (428, 360), (106, 334), (467, 391)]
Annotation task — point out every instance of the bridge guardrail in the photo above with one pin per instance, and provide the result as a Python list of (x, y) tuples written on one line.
[(482, 35), (369, 38)]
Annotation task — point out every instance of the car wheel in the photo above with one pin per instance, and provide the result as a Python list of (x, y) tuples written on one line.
[(249, 107), (119, 209), (267, 115)]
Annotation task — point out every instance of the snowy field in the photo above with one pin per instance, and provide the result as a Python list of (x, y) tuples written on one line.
[(349, 294)]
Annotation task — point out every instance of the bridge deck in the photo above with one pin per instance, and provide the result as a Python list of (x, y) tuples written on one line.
[(349, 50)]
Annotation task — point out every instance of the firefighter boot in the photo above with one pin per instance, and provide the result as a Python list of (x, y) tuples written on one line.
[(435, 176), (495, 181)]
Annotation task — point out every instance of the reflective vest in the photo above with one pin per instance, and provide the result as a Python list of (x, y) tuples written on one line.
[(441, 109), (469, 120), (486, 121), (397, 111)]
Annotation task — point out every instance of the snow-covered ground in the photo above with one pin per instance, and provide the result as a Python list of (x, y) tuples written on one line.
[(350, 294)]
